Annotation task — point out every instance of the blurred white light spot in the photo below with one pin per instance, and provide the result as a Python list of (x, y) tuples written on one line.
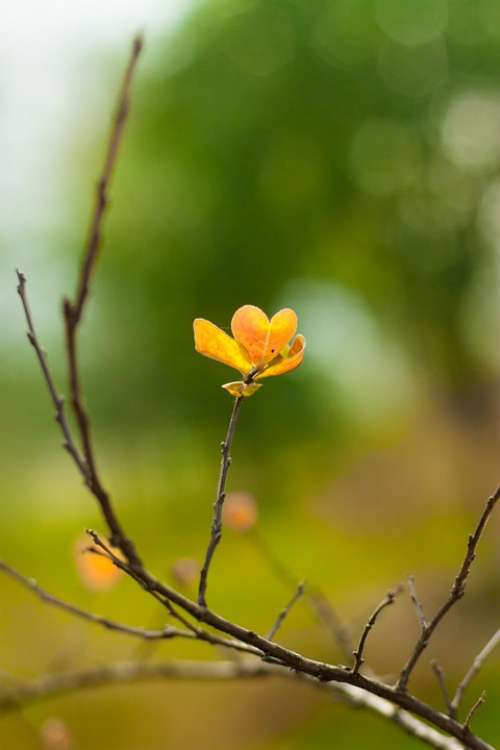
[(385, 157), (412, 21), (470, 131), (345, 344)]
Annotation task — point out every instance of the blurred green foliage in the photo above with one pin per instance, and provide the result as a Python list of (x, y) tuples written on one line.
[(340, 157)]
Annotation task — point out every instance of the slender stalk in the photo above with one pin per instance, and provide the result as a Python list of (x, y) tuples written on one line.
[(472, 672), (314, 596), (58, 401), (216, 528), (73, 310), (286, 611), (358, 653), (473, 710), (439, 672)]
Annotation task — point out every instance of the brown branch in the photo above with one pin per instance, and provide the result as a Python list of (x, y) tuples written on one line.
[(127, 673), (73, 310), (439, 672), (216, 528), (472, 672), (456, 593), (321, 671), (286, 611), (473, 710), (54, 601), (195, 630), (57, 400), (358, 653)]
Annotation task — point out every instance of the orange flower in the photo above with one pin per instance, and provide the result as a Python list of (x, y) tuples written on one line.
[(260, 347)]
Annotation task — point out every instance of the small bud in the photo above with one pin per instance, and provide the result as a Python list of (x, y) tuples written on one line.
[(55, 735), (185, 571), (96, 571), (240, 511)]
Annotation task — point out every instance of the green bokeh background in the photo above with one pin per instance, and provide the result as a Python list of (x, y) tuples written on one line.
[(341, 158)]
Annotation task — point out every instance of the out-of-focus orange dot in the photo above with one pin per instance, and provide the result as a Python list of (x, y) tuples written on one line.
[(240, 511), (185, 571), (96, 572), (54, 735)]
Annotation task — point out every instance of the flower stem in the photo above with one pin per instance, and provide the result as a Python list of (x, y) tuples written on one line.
[(216, 529)]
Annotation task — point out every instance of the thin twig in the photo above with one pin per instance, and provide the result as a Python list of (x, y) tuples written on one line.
[(308, 668), (216, 528), (196, 631), (73, 310), (456, 593), (57, 400), (54, 601), (286, 611), (472, 672), (358, 653), (321, 606), (416, 602), (473, 710), (439, 672)]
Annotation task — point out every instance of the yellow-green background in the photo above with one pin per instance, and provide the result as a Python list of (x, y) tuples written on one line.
[(341, 158)]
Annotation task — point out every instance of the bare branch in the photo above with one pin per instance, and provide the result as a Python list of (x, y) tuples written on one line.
[(57, 400), (472, 672), (54, 601), (286, 611), (309, 668), (73, 310), (456, 593), (127, 673), (416, 602), (474, 708), (438, 671), (358, 653), (216, 529)]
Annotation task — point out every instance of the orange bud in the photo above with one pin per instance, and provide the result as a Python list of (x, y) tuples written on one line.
[(240, 511), (96, 572), (185, 571), (55, 735)]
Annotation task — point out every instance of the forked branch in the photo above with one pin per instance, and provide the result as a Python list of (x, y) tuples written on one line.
[(73, 310), (456, 593)]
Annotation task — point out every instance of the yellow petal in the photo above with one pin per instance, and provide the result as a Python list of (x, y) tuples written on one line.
[(290, 362), (261, 337), (238, 388), (250, 327), (213, 342), (282, 329)]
